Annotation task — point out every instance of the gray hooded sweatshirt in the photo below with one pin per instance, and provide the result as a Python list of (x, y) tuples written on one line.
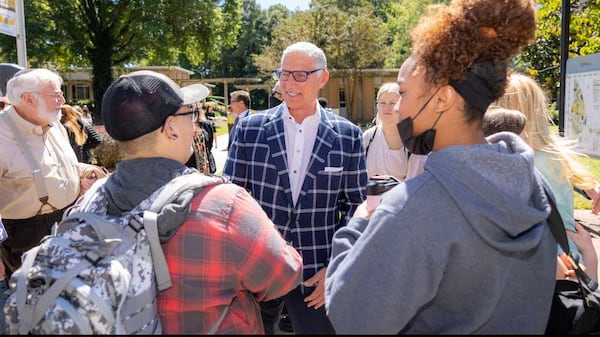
[(463, 248)]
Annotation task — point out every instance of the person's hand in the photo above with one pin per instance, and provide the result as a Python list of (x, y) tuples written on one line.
[(89, 176), (583, 240), (595, 195), (362, 211), (317, 298), (564, 267)]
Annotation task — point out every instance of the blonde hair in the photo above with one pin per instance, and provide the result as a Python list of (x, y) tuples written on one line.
[(68, 118), (524, 94), (388, 87)]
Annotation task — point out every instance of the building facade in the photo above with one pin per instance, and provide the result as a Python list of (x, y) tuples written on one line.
[(352, 95)]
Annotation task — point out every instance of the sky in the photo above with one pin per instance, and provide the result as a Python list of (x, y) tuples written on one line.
[(290, 4)]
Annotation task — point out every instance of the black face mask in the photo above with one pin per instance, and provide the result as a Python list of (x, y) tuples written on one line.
[(423, 143)]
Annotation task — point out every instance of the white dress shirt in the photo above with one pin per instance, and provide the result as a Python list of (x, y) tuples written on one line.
[(299, 143)]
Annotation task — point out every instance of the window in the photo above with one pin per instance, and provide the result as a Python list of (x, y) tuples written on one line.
[(342, 96), (81, 92)]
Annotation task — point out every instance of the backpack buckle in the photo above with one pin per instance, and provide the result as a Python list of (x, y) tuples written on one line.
[(136, 223)]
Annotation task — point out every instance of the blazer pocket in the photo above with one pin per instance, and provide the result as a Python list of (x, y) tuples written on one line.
[(330, 169)]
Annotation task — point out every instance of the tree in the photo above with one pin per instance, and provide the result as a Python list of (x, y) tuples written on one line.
[(255, 33), (400, 18), (353, 40), (105, 33), (542, 59)]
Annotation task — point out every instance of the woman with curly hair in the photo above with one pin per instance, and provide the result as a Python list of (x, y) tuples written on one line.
[(462, 248)]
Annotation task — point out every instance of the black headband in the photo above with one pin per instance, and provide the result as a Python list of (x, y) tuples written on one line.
[(474, 91)]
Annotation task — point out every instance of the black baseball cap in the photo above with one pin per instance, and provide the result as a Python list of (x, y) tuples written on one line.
[(140, 102)]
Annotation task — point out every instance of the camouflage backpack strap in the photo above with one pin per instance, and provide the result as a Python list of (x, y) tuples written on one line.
[(169, 192), (186, 182), (93, 200)]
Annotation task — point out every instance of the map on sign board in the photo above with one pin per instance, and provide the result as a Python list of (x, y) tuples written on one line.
[(582, 103), (8, 22)]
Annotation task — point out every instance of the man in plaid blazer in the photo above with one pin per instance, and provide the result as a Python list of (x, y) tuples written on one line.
[(306, 168)]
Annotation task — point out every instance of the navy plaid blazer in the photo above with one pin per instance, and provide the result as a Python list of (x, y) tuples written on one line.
[(334, 185)]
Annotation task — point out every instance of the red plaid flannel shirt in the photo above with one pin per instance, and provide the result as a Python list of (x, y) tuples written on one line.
[(227, 253)]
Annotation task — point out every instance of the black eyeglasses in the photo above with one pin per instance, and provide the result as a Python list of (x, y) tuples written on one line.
[(298, 75), (195, 113)]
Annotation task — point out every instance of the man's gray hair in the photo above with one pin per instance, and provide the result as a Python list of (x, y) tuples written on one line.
[(309, 49), (30, 80)]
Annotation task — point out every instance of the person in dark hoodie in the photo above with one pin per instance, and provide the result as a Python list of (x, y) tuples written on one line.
[(223, 253), (463, 248)]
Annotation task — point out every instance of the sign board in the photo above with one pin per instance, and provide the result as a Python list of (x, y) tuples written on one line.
[(582, 103), (8, 18)]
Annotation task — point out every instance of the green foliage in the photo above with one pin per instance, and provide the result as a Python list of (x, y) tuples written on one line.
[(401, 18), (108, 154), (553, 112), (543, 57), (191, 33), (351, 38), (104, 33), (255, 32)]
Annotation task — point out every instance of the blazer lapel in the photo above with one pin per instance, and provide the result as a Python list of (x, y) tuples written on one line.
[(275, 138), (326, 137)]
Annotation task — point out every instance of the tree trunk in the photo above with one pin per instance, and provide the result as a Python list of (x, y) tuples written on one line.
[(101, 59)]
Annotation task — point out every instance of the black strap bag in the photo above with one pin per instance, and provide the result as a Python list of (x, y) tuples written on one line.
[(576, 303)]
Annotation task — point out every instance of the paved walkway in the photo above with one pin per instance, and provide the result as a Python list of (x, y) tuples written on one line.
[(220, 152)]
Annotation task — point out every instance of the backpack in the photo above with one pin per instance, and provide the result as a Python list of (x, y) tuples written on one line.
[(96, 273)]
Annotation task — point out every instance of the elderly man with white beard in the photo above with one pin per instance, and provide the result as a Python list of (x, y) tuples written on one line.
[(39, 173)]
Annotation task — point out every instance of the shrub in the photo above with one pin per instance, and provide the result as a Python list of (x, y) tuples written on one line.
[(108, 154), (553, 112)]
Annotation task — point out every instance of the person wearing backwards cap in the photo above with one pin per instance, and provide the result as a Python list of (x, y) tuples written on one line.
[(223, 253)]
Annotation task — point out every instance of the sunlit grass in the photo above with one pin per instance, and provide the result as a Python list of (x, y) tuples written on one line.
[(594, 166)]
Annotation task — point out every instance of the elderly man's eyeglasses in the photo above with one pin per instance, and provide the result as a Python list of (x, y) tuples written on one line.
[(298, 75), (56, 95)]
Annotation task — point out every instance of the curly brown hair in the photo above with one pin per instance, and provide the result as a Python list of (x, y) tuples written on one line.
[(472, 35)]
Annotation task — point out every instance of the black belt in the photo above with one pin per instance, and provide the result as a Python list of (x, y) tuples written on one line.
[(51, 218)]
